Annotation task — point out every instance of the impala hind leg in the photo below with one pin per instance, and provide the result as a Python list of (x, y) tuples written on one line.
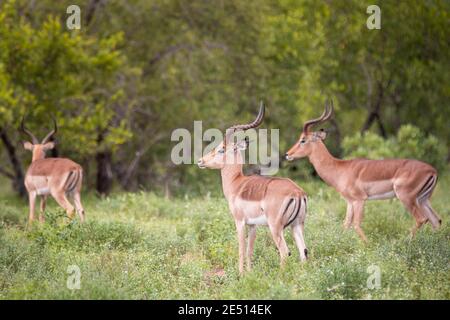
[(280, 242), (298, 232), (250, 245), (358, 211), (61, 198), (429, 212), (78, 205), (42, 205), (419, 217), (411, 205)]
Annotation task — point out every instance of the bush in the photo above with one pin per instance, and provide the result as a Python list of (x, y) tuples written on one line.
[(410, 142)]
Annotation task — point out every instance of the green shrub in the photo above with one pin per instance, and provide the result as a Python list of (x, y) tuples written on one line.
[(368, 145), (410, 142)]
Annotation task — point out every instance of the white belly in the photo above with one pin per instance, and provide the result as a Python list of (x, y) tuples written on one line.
[(43, 191), (260, 220), (252, 211), (382, 196)]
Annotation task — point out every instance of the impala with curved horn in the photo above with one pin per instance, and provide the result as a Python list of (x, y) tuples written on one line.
[(257, 200), (58, 177), (358, 180)]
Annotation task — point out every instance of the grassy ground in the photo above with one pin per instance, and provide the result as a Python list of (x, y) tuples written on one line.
[(141, 246)]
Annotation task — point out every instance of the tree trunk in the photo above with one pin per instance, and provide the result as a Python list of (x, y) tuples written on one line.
[(374, 114), (167, 192), (104, 172), (336, 136), (55, 153), (91, 9), (18, 176)]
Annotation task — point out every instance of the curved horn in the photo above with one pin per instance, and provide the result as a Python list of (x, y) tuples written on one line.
[(51, 133), (28, 132), (243, 127), (324, 117)]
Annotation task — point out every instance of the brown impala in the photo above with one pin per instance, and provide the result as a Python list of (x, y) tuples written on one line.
[(257, 200), (56, 176), (359, 180)]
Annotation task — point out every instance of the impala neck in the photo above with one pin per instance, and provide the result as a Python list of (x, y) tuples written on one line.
[(229, 173), (38, 153), (324, 163)]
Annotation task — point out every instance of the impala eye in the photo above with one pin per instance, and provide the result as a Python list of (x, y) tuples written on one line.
[(221, 151), (303, 141)]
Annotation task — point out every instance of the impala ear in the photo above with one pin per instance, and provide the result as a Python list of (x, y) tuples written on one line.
[(28, 145), (321, 134), (49, 145)]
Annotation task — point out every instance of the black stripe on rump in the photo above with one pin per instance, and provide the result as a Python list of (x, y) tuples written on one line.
[(74, 182), (426, 188), (287, 206), (299, 206), (68, 181)]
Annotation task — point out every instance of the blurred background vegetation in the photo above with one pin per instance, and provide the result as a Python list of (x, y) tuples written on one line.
[(139, 69)]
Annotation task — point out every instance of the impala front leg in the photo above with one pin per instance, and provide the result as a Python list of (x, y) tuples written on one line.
[(250, 245), (32, 201), (348, 216), (240, 227), (358, 207), (42, 212)]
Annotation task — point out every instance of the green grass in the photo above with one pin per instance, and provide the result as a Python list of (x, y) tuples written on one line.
[(142, 246)]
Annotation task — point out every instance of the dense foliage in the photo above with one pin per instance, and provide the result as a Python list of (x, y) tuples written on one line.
[(410, 143), (139, 69)]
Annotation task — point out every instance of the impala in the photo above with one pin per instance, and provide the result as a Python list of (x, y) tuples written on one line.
[(58, 177), (358, 180), (257, 200)]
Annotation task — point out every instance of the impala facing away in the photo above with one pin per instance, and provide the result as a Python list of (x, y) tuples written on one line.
[(358, 180), (56, 176), (257, 200)]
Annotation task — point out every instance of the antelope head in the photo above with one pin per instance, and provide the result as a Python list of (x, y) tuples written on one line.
[(38, 148), (228, 152), (309, 139)]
